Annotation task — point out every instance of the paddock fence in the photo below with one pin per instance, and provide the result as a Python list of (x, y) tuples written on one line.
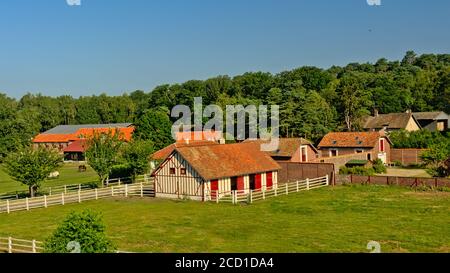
[(12, 245), (250, 196), (78, 187), (127, 190), (395, 180)]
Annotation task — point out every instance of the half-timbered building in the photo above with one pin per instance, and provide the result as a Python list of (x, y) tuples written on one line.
[(211, 171)]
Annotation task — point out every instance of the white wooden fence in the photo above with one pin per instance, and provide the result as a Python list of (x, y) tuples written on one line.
[(79, 187), (249, 196), (12, 245), (139, 189)]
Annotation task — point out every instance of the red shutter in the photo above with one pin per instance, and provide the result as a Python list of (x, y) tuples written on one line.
[(381, 145), (240, 184), (258, 185), (214, 189), (269, 180)]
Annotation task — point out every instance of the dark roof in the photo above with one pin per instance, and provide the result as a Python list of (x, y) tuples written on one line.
[(227, 160), (391, 121), (351, 139), (430, 115), (71, 129), (287, 146)]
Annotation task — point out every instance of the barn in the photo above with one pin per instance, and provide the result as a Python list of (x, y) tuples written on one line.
[(206, 172)]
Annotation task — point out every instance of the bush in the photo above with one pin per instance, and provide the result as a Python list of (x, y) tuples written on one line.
[(397, 163), (121, 171), (86, 229), (378, 166), (356, 170)]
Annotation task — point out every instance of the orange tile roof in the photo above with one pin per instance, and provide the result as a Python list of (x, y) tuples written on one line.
[(125, 133), (228, 160), (287, 146), (198, 136), (165, 152), (351, 139)]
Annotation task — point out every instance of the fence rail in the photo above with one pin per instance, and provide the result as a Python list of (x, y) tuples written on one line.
[(396, 180), (12, 245), (250, 196), (77, 187), (141, 189)]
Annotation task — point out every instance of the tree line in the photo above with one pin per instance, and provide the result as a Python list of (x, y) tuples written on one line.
[(313, 101)]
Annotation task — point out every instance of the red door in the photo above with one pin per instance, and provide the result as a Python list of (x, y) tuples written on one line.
[(214, 189), (258, 184), (240, 184), (269, 180)]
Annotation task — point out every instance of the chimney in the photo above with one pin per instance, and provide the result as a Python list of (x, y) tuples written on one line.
[(409, 111), (222, 141), (375, 112)]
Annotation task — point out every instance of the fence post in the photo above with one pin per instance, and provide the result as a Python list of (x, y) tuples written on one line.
[(50, 191), (126, 190), (79, 196), (7, 206), (251, 197), (217, 197), (142, 190), (96, 194), (287, 189), (276, 193), (264, 194), (307, 184), (79, 187), (297, 185), (45, 201), (65, 189), (62, 199), (9, 245), (112, 190), (119, 181), (27, 203), (33, 246), (327, 180)]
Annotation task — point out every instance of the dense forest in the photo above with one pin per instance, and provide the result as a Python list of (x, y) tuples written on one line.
[(312, 101)]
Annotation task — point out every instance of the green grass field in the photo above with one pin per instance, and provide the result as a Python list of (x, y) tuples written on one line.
[(341, 219), (68, 175)]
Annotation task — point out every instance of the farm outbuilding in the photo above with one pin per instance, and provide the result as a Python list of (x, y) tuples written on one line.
[(212, 171)]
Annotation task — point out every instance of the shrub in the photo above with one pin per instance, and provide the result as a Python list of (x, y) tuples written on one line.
[(121, 171), (86, 229), (378, 166)]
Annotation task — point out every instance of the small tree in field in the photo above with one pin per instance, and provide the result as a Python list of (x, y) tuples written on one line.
[(103, 152), (32, 166), (84, 230), (436, 158), (136, 154)]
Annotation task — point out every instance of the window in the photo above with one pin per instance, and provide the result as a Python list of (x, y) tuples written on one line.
[(252, 182), (382, 145), (234, 184), (334, 152), (304, 154), (183, 171), (172, 171), (369, 157), (359, 151)]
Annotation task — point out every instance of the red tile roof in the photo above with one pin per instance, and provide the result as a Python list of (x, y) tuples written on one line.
[(287, 146), (198, 136), (125, 133), (227, 160), (78, 146), (165, 152), (351, 139)]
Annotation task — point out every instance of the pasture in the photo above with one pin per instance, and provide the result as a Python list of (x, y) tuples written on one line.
[(339, 219), (68, 175)]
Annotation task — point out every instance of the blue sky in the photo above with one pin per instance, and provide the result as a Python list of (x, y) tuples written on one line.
[(114, 46)]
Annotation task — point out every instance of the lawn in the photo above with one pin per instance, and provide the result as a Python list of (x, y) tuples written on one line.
[(68, 175), (340, 219)]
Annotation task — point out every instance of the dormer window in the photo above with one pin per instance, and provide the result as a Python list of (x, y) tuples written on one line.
[(334, 142)]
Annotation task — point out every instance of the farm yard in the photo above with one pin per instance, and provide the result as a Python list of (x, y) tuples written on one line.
[(69, 175), (334, 219)]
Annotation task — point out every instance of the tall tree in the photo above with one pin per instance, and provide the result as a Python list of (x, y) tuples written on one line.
[(32, 166)]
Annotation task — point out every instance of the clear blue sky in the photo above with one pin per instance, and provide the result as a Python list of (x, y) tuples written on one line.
[(114, 46)]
